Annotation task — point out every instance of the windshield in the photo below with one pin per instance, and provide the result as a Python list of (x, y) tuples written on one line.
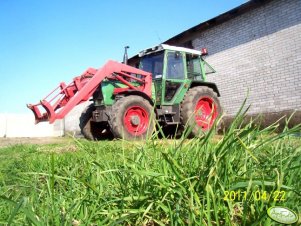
[(153, 64)]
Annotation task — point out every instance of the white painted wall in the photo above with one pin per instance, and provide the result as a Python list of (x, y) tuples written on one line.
[(22, 125), (2, 125), (72, 118)]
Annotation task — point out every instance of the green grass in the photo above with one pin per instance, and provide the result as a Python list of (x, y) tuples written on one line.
[(157, 182)]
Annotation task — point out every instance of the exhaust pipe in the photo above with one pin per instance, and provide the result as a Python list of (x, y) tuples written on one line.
[(125, 56)]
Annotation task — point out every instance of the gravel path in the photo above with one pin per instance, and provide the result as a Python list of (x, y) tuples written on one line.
[(4, 142)]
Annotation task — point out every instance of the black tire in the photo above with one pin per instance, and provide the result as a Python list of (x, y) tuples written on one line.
[(93, 130), (131, 118), (199, 109)]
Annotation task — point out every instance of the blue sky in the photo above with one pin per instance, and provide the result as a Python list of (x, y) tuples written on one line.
[(44, 42)]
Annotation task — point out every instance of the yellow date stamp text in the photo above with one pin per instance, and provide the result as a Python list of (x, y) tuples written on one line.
[(258, 195)]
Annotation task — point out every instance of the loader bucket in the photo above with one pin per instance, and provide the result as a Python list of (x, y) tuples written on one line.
[(37, 114), (49, 115)]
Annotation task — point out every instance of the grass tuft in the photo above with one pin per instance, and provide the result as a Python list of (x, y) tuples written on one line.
[(155, 182)]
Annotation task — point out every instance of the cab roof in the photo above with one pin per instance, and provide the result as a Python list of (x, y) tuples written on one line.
[(168, 47)]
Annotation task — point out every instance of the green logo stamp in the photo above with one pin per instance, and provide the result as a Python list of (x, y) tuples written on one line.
[(282, 215)]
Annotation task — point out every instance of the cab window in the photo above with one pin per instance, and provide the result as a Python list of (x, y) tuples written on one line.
[(175, 66), (193, 68), (153, 64)]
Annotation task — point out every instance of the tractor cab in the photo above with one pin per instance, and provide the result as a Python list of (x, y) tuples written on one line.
[(173, 71)]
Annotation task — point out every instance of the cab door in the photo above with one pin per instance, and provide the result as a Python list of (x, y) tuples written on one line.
[(174, 80)]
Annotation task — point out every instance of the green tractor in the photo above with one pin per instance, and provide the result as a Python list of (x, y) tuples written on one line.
[(164, 83)]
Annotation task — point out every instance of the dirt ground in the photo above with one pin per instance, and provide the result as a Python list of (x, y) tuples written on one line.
[(4, 142)]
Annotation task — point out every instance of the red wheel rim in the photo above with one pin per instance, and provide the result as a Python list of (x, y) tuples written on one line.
[(136, 120), (205, 112)]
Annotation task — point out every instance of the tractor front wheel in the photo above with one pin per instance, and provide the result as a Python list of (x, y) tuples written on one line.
[(131, 118), (199, 109)]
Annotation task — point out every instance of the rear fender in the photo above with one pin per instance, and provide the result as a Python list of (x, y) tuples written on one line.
[(208, 84)]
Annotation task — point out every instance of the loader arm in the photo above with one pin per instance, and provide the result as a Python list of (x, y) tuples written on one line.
[(58, 103)]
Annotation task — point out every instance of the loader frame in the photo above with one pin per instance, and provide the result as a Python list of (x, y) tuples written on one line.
[(60, 101)]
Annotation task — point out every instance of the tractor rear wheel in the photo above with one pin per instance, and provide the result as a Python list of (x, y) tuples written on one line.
[(131, 118), (93, 130), (199, 109)]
